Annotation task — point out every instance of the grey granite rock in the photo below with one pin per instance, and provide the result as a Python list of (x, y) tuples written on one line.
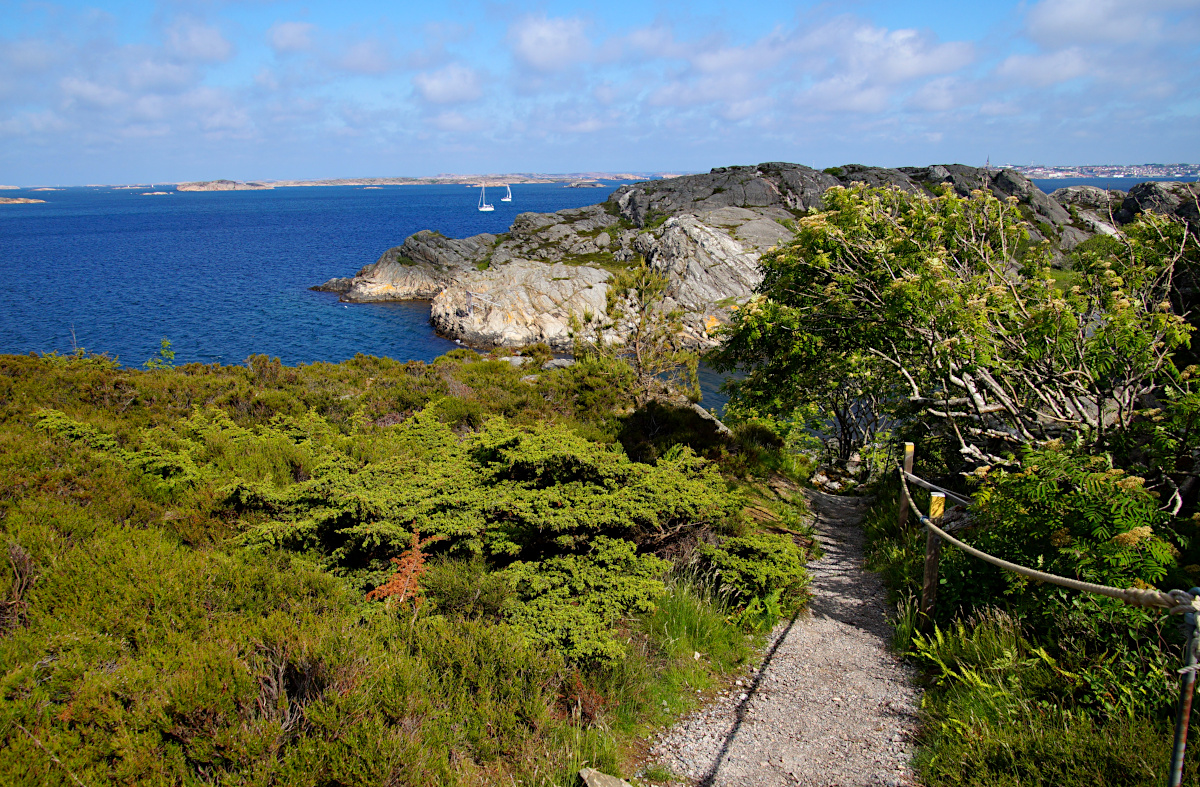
[(522, 302), (766, 185), (1089, 197), (594, 778), (706, 232), (337, 284), (1173, 198)]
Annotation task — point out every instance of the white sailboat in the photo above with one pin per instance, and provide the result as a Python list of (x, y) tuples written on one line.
[(507, 193), (483, 205)]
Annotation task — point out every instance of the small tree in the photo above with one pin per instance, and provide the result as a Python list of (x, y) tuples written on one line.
[(939, 297), (165, 359), (638, 328)]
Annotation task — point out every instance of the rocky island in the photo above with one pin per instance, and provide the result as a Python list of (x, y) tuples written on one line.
[(222, 185), (19, 201), (706, 232)]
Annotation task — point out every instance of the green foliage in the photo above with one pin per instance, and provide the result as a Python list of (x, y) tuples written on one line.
[(924, 303), (765, 575), (650, 335), (165, 359), (572, 601), (1069, 515), (995, 717), (200, 541), (1027, 678)]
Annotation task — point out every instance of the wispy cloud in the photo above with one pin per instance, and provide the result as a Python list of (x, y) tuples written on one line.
[(548, 44), (294, 90), (451, 84)]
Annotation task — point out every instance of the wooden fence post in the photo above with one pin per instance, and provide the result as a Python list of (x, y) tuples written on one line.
[(908, 466), (933, 549)]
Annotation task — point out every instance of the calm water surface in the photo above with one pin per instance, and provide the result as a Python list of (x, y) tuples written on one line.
[(224, 275)]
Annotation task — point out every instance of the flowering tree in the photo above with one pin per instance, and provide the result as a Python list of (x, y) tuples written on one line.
[(941, 307)]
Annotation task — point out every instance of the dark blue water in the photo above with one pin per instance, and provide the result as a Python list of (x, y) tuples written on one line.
[(226, 274), (223, 275), (1123, 184)]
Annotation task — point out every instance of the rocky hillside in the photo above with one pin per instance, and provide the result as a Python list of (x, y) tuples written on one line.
[(706, 232)]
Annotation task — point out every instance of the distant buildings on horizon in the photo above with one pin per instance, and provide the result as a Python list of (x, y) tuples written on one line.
[(1039, 171)]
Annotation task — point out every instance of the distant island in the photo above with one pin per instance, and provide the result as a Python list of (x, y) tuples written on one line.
[(18, 200), (223, 185)]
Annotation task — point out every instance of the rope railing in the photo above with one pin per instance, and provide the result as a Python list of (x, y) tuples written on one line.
[(1175, 602)]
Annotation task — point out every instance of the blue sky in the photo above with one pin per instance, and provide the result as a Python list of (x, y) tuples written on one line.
[(138, 91)]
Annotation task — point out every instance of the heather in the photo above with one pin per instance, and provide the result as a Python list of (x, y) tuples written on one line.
[(368, 572)]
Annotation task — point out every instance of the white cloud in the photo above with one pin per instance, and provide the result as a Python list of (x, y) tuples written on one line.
[(451, 84), (546, 44), (1043, 70), (999, 108), (159, 75), (215, 110), (30, 55), (192, 40), (456, 122), (1055, 22), (585, 126), (861, 51), (940, 95), (286, 37), (91, 94), (845, 94), (369, 56)]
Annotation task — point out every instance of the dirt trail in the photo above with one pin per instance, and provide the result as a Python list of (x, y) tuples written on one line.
[(829, 704)]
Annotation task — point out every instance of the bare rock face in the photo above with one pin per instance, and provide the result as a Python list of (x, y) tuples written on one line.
[(704, 264), (1172, 198), (522, 302), (766, 185), (706, 232), (417, 270), (1088, 197)]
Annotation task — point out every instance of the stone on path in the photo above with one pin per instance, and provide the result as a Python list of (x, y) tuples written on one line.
[(594, 778)]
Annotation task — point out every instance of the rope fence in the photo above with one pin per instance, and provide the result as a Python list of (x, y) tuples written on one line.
[(1174, 602)]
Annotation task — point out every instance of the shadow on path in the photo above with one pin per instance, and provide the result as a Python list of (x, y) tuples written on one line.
[(709, 776)]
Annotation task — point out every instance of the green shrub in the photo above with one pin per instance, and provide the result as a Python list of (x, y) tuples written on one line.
[(571, 601), (201, 539), (1065, 514), (764, 573)]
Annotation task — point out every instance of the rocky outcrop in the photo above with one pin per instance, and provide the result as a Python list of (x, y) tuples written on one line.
[(705, 232), (778, 185), (1092, 212), (520, 303), (1172, 198), (222, 185), (19, 201)]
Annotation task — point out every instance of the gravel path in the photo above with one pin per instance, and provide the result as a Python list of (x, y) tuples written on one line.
[(829, 705)]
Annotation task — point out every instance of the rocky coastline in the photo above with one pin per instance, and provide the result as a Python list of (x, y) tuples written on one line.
[(705, 232)]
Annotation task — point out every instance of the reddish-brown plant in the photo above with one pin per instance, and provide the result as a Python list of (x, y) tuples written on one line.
[(405, 584)]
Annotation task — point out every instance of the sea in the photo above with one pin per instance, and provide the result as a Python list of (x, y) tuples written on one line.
[(224, 275)]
